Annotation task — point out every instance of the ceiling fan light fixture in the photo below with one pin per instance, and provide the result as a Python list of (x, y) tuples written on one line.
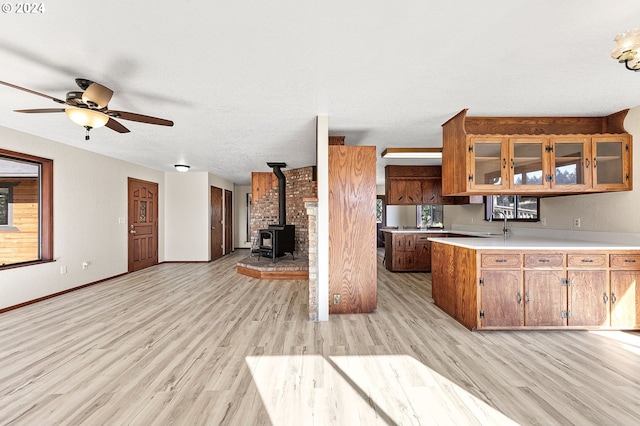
[(182, 168), (434, 153), (87, 117), (627, 49)]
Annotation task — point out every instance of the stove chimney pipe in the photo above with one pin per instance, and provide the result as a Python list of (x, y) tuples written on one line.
[(282, 196)]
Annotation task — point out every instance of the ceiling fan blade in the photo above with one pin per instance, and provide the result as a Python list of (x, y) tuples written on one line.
[(39, 110), (132, 116), (97, 95), (114, 125), (33, 92)]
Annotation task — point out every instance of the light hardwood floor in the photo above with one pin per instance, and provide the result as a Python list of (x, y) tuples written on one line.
[(199, 344)]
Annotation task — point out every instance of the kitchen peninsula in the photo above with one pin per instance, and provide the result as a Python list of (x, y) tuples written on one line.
[(527, 283), (410, 249)]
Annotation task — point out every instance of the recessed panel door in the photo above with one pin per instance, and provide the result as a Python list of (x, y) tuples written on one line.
[(143, 224), (216, 223)]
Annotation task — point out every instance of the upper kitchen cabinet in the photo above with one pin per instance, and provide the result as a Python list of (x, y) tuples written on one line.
[(535, 155), (417, 185)]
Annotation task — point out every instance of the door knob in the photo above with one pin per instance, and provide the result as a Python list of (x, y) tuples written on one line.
[(132, 231)]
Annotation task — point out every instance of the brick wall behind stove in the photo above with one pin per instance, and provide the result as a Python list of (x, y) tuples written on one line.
[(300, 185)]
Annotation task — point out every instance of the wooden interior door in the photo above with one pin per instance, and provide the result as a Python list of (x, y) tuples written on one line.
[(143, 224), (228, 221), (216, 223)]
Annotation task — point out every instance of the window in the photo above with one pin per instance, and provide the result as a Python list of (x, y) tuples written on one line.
[(430, 216), (6, 206), (514, 207), (26, 209)]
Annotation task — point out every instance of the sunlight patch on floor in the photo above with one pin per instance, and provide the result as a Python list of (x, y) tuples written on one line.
[(627, 340), (393, 389)]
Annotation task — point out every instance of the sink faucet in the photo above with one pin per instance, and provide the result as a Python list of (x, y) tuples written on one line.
[(505, 229)]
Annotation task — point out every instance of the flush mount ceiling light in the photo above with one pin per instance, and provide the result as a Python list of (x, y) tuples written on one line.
[(627, 47), (182, 168), (412, 153)]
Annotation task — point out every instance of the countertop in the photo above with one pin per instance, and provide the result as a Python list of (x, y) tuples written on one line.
[(523, 243), (437, 231)]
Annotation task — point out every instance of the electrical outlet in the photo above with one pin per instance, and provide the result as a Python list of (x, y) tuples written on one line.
[(543, 221), (85, 265), (576, 222), (63, 270), (336, 299), (471, 220)]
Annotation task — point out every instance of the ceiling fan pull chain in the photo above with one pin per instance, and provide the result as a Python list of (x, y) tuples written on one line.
[(86, 138)]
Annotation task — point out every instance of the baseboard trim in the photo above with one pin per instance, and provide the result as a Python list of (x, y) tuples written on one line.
[(60, 293)]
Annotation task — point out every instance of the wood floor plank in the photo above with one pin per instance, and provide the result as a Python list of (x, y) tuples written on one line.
[(201, 344)]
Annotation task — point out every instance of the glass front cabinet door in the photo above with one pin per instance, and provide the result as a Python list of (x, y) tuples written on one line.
[(571, 164), (611, 156), (488, 161), (527, 163)]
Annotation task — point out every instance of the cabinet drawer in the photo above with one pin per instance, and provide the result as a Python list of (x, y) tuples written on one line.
[(625, 261), (422, 238), (552, 260), (587, 260), (500, 260)]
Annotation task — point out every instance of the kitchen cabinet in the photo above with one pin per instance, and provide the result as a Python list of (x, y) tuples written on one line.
[(625, 294), (417, 185), (533, 289), (407, 252), (536, 156)]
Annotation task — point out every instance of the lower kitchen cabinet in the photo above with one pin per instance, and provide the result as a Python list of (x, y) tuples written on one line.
[(501, 299), (625, 299), (539, 290), (407, 251)]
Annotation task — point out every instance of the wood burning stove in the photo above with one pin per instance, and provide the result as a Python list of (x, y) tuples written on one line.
[(277, 240), (280, 238)]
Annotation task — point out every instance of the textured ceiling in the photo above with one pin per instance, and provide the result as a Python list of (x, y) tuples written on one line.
[(244, 80)]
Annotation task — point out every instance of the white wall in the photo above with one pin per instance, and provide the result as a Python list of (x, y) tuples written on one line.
[(600, 214), (240, 216), (90, 196), (187, 220), (90, 201), (401, 216)]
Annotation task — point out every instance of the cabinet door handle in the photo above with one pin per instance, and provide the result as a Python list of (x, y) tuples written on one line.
[(526, 297), (504, 163), (410, 197), (605, 299), (587, 163), (400, 198), (519, 298), (595, 162), (614, 299)]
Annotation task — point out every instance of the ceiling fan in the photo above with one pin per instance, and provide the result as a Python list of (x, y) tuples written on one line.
[(89, 107)]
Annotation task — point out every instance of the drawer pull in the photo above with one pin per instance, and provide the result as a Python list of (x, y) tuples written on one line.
[(605, 299), (629, 261), (501, 260), (614, 299), (519, 298), (544, 260), (587, 261)]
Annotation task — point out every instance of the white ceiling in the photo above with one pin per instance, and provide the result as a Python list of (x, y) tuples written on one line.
[(244, 80)]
